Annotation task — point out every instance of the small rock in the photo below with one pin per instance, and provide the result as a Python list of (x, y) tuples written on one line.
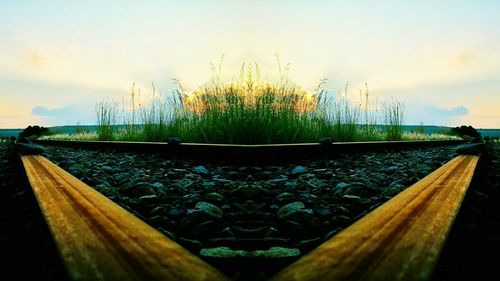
[(184, 183), (137, 189), (342, 185), (285, 197), (174, 141), (298, 170), (309, 244), (176, 211), (159, 210), (108, 170), (167, 233), (201, 170), (210, 209), (191, 244), (272, 232), (351, 198), (323, 212), (226, 233), (290, 209), (209, 184), (333, 233), (362, 190), (214, 197), (325, 140), (340, 210), (148, 198), (391, 170), (158, 186)]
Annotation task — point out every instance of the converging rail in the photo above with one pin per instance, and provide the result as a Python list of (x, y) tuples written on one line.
[(400, 240), (251, 153), (98, 240)]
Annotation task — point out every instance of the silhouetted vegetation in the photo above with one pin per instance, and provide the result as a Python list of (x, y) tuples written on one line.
[(467, 132), (33, 132)]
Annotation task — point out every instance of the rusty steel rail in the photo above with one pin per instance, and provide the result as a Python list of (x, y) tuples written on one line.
[(98, 240), (400, 240), (250, 153)]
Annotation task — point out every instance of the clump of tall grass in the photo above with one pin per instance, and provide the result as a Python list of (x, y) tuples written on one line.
[(394, 112), (250, 110), (106, 112)]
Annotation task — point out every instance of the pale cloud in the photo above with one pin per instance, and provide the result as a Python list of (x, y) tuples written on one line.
[(66, 115), (56, 112), (445, 112)]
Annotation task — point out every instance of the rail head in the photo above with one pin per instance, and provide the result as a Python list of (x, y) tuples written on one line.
[(98, 240), (255, 154), (400, 240)]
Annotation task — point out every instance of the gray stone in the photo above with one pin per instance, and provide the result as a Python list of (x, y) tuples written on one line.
[(298, 170), (184, 183), (391, 170), (308, 244), (290, 209), (201, 170), (108, 170), (176, 211), (362, 190), (137, 189), (214, 197), (333, 233), (285, 197), (210, 209), (209, 184), (342, 185), (158, 186), (148, 198), (272, 232), (351, 198)]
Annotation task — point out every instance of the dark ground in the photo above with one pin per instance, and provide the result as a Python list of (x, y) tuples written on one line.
[(472, 251), (26, 248)]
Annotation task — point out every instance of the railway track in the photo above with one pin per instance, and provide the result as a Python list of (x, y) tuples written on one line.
[(400, 240), (256, 154)]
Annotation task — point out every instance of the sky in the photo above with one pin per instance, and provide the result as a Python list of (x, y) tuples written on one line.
[(59, 58)]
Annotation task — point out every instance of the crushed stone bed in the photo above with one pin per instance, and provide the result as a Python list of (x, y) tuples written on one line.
[(250, 220)]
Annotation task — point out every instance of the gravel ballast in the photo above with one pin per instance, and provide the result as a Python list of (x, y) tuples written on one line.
[(250, 221)]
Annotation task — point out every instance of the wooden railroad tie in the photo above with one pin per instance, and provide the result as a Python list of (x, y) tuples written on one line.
[(400, 240), (98, 240)]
